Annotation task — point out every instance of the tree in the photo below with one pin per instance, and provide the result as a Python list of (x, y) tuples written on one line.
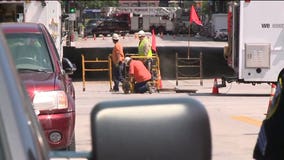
[(99, 3), (82, 4)]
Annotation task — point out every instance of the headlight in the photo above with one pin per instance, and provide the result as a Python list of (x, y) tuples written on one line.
[(50, 100)]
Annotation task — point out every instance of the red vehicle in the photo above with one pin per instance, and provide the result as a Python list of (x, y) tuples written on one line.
[(46, 79)]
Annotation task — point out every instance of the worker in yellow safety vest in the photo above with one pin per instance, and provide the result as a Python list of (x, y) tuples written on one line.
[(144, 49)]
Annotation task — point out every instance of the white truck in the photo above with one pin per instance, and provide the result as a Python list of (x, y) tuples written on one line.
[(219, 21), (45, 12), (255, 48), (144, 18), (147, 21)]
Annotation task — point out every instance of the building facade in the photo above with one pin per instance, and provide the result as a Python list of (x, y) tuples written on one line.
[(213, 6), (139, 3)]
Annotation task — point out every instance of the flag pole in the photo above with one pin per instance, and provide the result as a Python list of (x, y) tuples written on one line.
[(193, 17), (188, 41)]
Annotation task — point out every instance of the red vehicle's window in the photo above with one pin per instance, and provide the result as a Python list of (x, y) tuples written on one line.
[(30, 52)]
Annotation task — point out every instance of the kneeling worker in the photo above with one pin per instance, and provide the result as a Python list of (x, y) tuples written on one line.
[(138, 74)]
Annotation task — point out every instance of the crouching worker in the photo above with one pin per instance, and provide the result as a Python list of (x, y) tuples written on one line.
[(139, 75)]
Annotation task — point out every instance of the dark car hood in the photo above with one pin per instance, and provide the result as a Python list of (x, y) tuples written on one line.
[(38, 81)]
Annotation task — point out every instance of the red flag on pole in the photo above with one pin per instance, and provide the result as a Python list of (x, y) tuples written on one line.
[(194, 17), (154, 48)]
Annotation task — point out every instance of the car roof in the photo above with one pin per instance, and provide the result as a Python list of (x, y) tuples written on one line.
[(93, 21), (21, 27)]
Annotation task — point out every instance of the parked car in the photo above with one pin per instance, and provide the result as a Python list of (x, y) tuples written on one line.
[(221, 35), (110, 26), (46, 80), (90, 25)]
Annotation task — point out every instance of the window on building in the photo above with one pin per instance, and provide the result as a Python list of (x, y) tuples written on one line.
[(134, 5), (152, 4), (124, 4), (143, 5)]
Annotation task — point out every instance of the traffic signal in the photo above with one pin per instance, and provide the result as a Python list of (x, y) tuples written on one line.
[(72, 7), (72, 10)]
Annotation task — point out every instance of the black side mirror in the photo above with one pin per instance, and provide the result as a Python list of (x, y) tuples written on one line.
[(158, 128), (68, 67), (65, 33)]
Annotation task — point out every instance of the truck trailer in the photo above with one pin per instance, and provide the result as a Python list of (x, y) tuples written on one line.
[(162, 19), (255, 48), (45, 12)]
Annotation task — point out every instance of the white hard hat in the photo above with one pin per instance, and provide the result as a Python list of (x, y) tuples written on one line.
[(126, 60), (115, 36), (141, 33)]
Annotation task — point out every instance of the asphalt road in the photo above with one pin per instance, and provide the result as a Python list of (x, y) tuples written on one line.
[(235, 113)]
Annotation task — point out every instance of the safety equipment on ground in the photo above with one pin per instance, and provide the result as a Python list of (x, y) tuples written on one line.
[(215, 89), (127, 87), (115, 36), (141, 33), (159, 80)]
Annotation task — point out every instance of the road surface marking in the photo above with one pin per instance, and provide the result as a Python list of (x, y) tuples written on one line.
[(247, 120)]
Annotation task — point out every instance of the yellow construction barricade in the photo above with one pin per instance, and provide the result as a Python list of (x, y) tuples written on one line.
[(94, 68)]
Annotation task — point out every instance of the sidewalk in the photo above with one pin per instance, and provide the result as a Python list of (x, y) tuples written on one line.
[(131, 41)]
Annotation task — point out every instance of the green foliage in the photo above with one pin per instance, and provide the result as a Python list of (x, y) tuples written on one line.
[(99, 3)]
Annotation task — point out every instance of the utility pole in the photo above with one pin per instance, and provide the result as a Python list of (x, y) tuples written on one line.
[(68, 38), (71, 10)]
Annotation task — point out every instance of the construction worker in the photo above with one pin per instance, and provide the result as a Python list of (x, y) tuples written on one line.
[(139, 75), (144, 49), (270, 141), (117, 61)]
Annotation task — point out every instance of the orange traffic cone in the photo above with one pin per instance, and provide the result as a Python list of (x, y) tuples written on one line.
[(159, 81), (273, 89), (215, 89), (95, 36)]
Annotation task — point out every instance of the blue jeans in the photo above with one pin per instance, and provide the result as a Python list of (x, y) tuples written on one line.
[(117, 75), (141, 87)]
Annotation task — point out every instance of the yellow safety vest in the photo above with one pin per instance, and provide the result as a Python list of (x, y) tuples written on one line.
[(141, 48)]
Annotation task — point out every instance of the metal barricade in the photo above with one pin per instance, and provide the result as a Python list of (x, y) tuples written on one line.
[(93, 69), (186, 63)]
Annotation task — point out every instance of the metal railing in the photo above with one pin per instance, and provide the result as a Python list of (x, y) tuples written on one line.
[(96, 68), (183, 64)]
